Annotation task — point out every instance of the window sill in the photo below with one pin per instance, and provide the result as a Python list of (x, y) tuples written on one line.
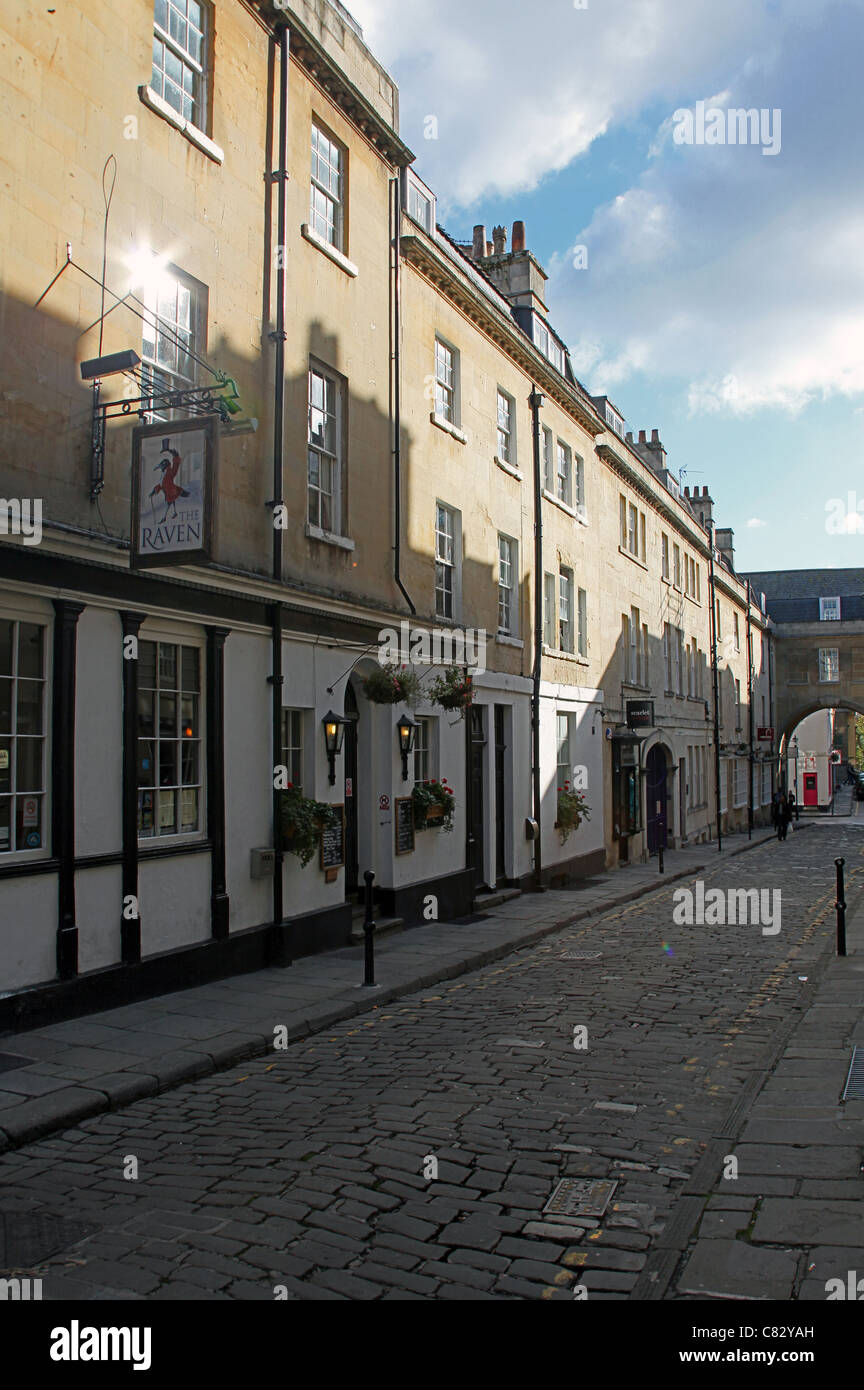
[(328, 537), (508, 468), (578, 513), (196, 137), (622, 550), (446, 426), (330, 251), (505, 640), (558, 655)]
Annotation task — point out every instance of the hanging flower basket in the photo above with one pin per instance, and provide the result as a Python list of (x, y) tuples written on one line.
[(434, 804), (453, 690), (392, 685), (301, 821), (572, 810)]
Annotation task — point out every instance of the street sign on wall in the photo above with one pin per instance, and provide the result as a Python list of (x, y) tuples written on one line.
[(765, 731)]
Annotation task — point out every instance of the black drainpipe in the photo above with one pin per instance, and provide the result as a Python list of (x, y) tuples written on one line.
[(535, 400), (752, 757), (278, 337), (395, 252)]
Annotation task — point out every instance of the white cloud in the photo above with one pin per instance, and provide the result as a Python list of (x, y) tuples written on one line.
[(735, 277), (755, 522)]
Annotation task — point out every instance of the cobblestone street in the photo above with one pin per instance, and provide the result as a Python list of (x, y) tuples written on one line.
[(311, 1174)]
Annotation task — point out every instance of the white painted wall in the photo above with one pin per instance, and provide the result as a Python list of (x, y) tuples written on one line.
[(28, 931), (174, 896), (98, 733), (98, 912)]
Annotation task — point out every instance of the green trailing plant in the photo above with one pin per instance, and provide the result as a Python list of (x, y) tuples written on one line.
[(301, 821), (572, 810), (452, 690), (392, 685), (434, 804)]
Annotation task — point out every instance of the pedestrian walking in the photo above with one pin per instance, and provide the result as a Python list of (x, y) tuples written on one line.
[(784, 817), (793, 806), (776, 802)]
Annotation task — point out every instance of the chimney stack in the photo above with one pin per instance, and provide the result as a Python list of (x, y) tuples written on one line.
[(642, 437), (499, 241), (479, 248), (518, 242)]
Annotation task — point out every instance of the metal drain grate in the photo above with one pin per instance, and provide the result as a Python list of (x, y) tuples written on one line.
[(29, 1237), (580, 1197), (854, 1088)]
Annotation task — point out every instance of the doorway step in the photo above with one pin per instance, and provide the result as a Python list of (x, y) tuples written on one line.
[(494, 898), (383, 925)]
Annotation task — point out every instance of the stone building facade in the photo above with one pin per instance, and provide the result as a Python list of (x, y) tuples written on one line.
[(403, 452)]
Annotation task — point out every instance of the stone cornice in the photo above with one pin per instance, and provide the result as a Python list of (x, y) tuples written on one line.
[(499, 325)]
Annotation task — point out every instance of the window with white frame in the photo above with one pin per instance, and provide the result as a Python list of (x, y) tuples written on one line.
[(724, 786), (829, 664), (676, 566), (179, 57), (292, 746), (324, 483), (736, 631), (445, 381), (423, 751), (578, 482), (738, 704), (632, 529), (564, 474), (678, 661), (664, 555), (548, 345), (739, 788), (698, 590), (508, 585), (174, 332), (326, 198), (23, 729), (421, 203), (548, 460), (506, 437), (170, 762), (565, 609), (550, 632), (445, 561), (667, 655), (634, 633), (582, 623), (829, 610), (564, 767)]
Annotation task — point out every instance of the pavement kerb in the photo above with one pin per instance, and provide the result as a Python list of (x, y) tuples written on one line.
[(60, 1109)]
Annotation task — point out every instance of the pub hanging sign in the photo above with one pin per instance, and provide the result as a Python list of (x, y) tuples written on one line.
[(174, 468), (640, 714)]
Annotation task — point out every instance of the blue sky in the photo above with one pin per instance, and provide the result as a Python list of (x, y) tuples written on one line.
[(723, 301)]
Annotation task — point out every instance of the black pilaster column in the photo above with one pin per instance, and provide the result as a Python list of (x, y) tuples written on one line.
[(219, 905), (130, 925), (63, 781)]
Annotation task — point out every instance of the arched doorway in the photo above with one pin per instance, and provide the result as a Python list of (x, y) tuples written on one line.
[(656, 798)]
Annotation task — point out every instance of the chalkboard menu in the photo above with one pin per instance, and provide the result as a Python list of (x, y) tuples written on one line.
[(404, 825), (333, 841)]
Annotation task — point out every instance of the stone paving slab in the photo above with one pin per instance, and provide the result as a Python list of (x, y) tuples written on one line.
[(163, 1042)]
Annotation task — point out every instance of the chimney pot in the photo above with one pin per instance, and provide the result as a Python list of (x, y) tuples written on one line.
[(488, 248), (499, 240), (518, 243), (628, 438), (655, 436), (479, 248), (642, 438)]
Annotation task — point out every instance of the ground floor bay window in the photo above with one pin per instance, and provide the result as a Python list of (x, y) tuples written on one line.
[(169, 743), (22, 736)]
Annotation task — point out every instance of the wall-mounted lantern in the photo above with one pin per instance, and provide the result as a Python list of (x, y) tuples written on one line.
[(334, 732), (406, 730)]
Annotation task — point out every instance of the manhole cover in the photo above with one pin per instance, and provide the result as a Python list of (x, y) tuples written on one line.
[(582, 955), (854, 1088), (27, 1238), (9, 1063), (580, 1197)]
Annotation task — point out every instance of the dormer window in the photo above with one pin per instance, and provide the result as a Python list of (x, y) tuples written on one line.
[(548, 345), (829, 610), (420, 203)]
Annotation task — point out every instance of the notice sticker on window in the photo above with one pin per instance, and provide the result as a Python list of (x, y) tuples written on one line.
[(4, 758), (30, 811)]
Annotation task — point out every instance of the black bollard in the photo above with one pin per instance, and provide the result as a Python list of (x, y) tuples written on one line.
[(369, 931), (660, 858), (841, 908)]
